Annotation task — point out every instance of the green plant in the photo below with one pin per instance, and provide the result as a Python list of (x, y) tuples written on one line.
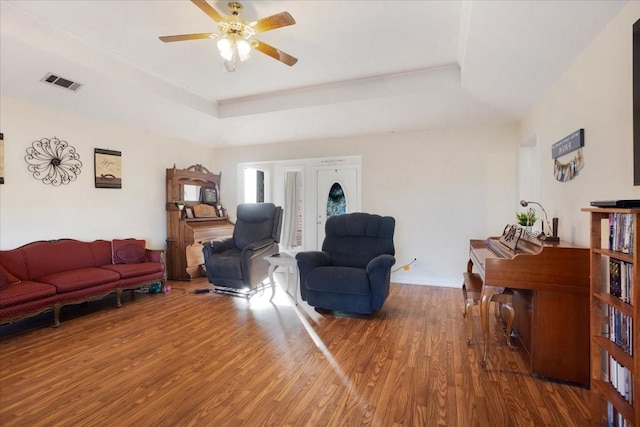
[(527, 218)]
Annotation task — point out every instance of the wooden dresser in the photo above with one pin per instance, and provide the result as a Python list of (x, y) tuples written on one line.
[(185, 236)]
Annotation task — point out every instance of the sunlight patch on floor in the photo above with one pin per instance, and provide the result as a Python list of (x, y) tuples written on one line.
[(262, 301), (344, 378)]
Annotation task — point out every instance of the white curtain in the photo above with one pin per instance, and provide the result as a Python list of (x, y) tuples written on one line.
[(292, 181)]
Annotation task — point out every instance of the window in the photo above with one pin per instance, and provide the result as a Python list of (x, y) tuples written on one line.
[(254, 185), (336, 202)]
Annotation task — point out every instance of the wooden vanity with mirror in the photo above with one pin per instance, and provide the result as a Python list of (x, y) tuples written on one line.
[(198, 190)]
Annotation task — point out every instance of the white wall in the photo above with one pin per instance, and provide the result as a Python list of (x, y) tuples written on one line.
[(443, 188), (31, 210), (595, 93)]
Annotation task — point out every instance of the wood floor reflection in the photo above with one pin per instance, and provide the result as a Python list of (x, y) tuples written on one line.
[(209, 359)]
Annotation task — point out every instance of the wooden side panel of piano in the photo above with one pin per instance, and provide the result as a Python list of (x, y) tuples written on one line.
[(551, 328)]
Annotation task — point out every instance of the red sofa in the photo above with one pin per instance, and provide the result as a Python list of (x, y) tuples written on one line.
[(47, 275)]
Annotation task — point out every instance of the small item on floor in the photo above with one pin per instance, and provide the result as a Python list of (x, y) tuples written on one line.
[(167, 288), (202, 291), (155, 288)]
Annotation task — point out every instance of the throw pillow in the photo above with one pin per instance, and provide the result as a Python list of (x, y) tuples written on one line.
[(128, 251), (6, 278)]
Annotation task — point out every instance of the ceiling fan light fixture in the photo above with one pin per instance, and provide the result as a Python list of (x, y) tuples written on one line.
[(234, 39), (244, 49), (232, 49), (226, 47)]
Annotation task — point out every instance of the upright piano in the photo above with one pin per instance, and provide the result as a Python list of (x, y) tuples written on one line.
[(550, 285), (186, 233)]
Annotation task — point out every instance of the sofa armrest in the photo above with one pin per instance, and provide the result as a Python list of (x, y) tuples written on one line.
[(155, 255)]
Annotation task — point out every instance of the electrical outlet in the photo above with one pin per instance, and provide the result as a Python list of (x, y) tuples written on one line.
[(415, 262)]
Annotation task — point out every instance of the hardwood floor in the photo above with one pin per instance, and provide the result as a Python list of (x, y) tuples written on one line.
[(210, 359)]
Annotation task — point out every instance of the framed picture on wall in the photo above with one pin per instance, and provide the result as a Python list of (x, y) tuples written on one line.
[(209, 196), (108, 168)]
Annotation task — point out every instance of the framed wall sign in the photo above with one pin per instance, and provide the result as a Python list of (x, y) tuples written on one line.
[(569, 170), (108, 168)]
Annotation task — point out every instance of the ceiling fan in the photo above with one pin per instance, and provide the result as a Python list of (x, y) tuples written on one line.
[(235, 39)]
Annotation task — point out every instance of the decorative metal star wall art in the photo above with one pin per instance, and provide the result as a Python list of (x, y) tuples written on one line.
[(53, 161)]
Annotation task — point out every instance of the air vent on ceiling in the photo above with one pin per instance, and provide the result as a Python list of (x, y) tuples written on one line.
[(61, 81)]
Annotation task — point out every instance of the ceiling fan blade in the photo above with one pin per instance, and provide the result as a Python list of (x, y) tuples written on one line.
[(272, 22), (273, 52), (206, 8), (183, 37)]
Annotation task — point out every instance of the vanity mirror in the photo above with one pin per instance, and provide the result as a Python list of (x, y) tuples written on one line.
[(191, 193)]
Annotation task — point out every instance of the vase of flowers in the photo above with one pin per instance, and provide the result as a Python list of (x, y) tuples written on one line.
[(526, 219)]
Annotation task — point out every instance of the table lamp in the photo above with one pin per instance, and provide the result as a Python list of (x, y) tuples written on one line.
[(546, 234)]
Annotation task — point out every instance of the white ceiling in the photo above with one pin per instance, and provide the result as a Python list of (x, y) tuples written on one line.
[(364, 66)]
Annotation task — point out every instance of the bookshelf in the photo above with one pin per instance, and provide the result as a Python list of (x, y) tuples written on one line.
[(615, 313)]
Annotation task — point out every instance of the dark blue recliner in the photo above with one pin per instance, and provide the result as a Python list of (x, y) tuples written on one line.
[(237, 264), (352, 272)]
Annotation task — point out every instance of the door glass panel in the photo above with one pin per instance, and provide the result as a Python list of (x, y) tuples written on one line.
[(336, 202)]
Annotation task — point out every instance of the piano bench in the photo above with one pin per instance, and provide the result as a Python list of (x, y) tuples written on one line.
[(471, 294)]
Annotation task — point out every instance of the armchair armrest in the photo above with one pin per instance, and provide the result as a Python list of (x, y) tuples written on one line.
[(257, 249), (217, 246), (253, 263), (384, 262), (258, 245), (308, 260), (379, 272)]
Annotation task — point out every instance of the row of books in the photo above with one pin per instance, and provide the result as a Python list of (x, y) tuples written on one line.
[(621, 378), (620, 280), (615, 418), (621, 232), (621, 329)]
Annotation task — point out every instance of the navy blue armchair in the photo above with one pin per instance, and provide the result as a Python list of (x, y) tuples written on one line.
[(237, 264), (352, 272)]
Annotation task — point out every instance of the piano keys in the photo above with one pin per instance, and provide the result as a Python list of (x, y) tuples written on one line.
[(550, 285)]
